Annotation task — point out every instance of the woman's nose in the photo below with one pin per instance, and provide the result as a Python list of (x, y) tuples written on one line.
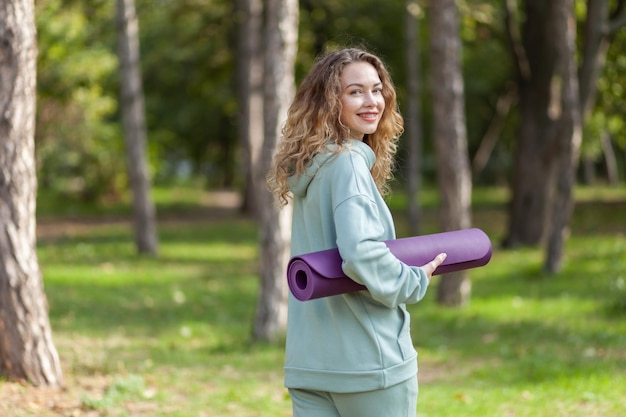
[(370, 100)]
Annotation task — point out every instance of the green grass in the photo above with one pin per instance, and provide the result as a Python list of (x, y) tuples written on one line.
[(531, 345), (170, 335)]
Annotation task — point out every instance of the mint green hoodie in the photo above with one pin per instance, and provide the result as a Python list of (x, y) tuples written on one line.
[(360, 341)]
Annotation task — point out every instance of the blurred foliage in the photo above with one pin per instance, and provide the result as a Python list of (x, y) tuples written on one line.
[(188, 57), (612, 90), (79, 147), (189, 62)]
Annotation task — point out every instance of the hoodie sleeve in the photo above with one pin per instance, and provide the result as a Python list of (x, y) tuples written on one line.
[(362, 223), (368, 261)]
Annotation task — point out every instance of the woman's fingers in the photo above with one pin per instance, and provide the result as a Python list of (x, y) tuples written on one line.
[(432, 265)]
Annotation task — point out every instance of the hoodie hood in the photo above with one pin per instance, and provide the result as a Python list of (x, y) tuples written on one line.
[(299, 184)]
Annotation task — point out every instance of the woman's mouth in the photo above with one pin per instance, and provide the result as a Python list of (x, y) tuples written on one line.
[(368, 116)]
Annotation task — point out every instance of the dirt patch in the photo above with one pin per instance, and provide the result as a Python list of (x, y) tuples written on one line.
[(81, 396), (21, 399), (215, 206)]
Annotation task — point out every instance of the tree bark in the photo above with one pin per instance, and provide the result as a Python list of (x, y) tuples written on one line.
[(250, 76), (534, 167), (595, 46), (413, 116), (569, 131), (454, 177), (27, 351), (598, 29), (536, 183), (281, 36), (610, 160), (133, 119)]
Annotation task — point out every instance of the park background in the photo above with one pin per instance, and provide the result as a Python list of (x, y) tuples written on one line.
[(171, 334)]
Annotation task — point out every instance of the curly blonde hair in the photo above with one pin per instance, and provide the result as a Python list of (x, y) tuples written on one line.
[(313, 121)]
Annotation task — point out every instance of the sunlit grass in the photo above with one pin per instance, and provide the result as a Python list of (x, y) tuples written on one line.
[(171, 334), (531, 344)]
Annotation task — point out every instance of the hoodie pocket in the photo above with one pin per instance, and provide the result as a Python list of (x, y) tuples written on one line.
[(404, 338), (406, 346)]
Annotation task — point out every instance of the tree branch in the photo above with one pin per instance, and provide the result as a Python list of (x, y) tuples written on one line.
[(514, 37)]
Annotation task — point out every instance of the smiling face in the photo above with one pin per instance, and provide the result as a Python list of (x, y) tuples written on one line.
[(361, 98)]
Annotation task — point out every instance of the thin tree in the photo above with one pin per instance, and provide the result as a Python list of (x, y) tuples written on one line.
[(568, 135), (281, 38), (599, 27), (133, 119), (413, 115), (250, 93), (27, 351), (453, 166)]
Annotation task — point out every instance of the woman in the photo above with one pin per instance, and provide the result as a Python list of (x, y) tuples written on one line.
[(348, 355)]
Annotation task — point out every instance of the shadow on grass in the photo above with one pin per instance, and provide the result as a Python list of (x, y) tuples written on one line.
[(524, 351)]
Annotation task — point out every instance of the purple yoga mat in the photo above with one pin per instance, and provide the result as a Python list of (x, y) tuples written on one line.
[(319, 274)]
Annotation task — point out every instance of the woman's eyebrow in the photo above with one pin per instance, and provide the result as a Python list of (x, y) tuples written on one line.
[(363, 85)]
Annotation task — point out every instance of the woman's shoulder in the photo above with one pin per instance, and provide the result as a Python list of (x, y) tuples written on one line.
[(349, 173), (352, 154)]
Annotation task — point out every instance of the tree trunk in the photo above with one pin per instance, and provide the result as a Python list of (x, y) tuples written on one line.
[(275, 225), (595, 46), (534, 164), (250, 76), (133, 119), (413, 114), (27, 351), (569, 132), (537, 165), (610, 160), (454, 177), (598, 29)]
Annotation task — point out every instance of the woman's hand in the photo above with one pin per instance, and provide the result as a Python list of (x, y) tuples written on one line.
[(432, 265)]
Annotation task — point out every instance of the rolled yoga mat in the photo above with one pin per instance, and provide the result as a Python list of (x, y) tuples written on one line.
[(319, 274)]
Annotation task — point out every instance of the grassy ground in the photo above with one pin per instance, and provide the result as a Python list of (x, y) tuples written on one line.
[(170, 336)]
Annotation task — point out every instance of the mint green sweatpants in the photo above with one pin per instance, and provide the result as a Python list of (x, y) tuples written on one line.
[(397, 401)]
